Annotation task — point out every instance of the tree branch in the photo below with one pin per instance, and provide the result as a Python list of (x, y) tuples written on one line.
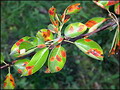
[(111, 23)]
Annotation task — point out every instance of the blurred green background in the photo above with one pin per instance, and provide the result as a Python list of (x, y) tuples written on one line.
[(25, 18)]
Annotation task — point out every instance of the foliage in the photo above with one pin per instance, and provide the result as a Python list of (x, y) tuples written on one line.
[(52, 39)]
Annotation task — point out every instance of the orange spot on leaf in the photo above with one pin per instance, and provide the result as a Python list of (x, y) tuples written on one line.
[(47, 70), (52, 11), (73, 7), (58, 68), (21, 40), (88, 40), (63, 53), (52, 58), (41, 46), (57, 46), (95, 52), (71, 30), (19, 71), (17, 43), (29, 69), (81, 27), (58, 58), (90, 23), (112, 2), (60, 40)]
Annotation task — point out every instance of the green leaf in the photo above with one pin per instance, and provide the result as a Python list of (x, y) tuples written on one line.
[(57, 59), (90, 47), (9, 82), (15, 48), (75, 29), (2, 58), (52, 28), (20, 65), (36, 62), (117, 8), (35, 41), (94, 23), (72, 9)]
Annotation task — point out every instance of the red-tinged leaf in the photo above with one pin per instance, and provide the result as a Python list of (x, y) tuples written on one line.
[(15, 48), (9, 82), (47, 70), (117, 8), (72, 9), (45, 34), (90, 47), (36, 62), (75, 29), (105, 4), (57, 59), (94, 23), (20, 65), (112, 2)]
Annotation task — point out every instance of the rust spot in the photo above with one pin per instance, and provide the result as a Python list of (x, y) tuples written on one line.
[(19, 71), (95, 52), (46, 35), (67, 17), (81, 27), (17, 43), (60, 40), (118, 10), (71, 30), (52, 58), (52, 11), (57, 68), (12, 80), (63, 53), (47, 70), (91, 23), (72, 8), (41, 46), (88, 40), (18, 50), (4, 85), (29, 69), (58, 58), (21, 40), (112, 2), (57, 46)]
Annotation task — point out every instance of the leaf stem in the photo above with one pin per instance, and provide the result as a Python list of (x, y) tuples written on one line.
[(69, 41)]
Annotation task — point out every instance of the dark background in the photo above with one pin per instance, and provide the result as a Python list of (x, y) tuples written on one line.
[(25, 18)]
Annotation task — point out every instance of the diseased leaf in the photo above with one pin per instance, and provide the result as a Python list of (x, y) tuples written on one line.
[(90, 47), (72, 9), (15, 48), (105, 4), (94, 23), (20, 65), (56, 59), (36, 62), (9, 82), (2, 58), (117, 8), (45, 35), (75, 29), (52, 14)]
